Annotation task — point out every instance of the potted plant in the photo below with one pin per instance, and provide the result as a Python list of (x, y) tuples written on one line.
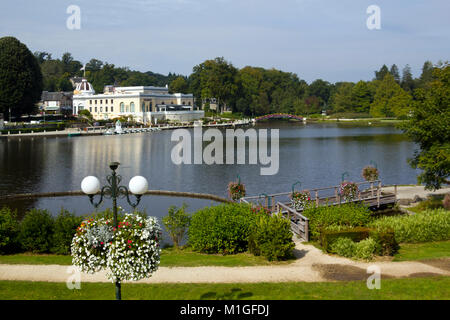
[(300, 199), (370, 173), (236, 190), (349, 190)]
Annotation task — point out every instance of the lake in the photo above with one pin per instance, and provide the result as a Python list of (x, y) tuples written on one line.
[(315, 154)]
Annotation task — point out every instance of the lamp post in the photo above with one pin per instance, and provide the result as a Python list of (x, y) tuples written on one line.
[(137, 186)]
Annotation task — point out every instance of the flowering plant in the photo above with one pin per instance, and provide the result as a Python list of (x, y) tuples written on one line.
[(260, 210), (300, 200), (370, 173), (348, 190), (129, 252), (236, 190)]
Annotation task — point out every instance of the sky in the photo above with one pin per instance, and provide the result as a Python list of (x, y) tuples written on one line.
[(326, 39)]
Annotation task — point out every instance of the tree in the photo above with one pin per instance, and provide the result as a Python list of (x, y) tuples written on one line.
[(390, 99), (20, 78), (395, 73), (429, 126), (322, 90), (379, 75), (179, 85), (342, 99), (362, 96), (407, 79), (427, 73)]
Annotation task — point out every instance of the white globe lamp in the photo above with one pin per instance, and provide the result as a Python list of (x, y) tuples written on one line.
[(90, 185), (138, 185)]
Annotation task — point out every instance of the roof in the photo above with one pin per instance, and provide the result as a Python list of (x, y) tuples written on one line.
[(55, 96)]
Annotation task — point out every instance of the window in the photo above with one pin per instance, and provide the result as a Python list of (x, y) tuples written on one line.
[(90, 109), (122, 107), (101, 101), (112, 109), (112, 101), (106, 109), (90, 101), (101, 109), (95, 101), (106, 101), (132, 107), (95, 109), (143, 107)]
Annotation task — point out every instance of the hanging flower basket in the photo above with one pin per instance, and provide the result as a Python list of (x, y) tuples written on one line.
[(130, 252), (236, 190), (349, 190), (300, 199), (370, 173)]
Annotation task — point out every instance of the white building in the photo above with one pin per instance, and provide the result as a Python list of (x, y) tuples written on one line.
[(142, 104)]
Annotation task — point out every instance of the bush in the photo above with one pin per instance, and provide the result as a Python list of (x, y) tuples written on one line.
[(344, 247), (429, 225), (36, 231), (386, 243), (347, 215), (271, 237), (177, 223), (8, 231), (221, 229), (65, 226), (365, 249), (328, 237)]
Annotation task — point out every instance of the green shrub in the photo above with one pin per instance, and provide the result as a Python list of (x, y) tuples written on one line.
[(271, 237), (429, 225), (177, 223), (328, 237), (65, 226), (446, 202), (8, 231), (348, 215), (344, 247), (386, 243), (365, 249), (36, 231), (221, 229)]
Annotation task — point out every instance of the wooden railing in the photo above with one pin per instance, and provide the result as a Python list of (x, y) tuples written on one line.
[(299, 223)]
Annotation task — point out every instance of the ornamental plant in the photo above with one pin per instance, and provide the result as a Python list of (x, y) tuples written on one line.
[(236, 190), (300, 200), (370, 173), (129, 252), (177, 223), (348, 190)]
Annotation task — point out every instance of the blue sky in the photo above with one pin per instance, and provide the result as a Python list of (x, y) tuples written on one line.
[(325, 39)]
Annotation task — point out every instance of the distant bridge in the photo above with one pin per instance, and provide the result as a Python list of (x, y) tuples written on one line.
[(279, 116)]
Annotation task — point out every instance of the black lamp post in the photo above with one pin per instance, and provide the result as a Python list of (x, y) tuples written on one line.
[(138, 186)]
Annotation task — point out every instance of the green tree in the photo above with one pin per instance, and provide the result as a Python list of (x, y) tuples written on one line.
[(407, 79), (395, 73), (342, 99), (362, 96), (179, 85), (427, 73), (379, 75), (429, 126), (322, 90), (390, 99), (20, 78)]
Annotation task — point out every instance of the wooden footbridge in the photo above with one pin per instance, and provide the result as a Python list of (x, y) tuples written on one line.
[(279, 116), (369, 193)]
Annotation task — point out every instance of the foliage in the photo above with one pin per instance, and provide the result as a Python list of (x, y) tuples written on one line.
[(364, 249), (177, 223), (271, 237), (446, 202), (65, 226), (348, 190), (346, 215), (236, 190), (430, 225), (36, 231), (370, 173), (300, 200), (344, 247), (221, 229), (8, 230), (429, 127), (98, 245), (330, 235), (20, 78)]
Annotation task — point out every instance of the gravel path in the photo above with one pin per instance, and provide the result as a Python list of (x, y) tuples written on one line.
[(311, 266)]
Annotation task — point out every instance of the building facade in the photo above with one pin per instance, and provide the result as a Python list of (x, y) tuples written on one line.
[(56, 102), (142, 104)]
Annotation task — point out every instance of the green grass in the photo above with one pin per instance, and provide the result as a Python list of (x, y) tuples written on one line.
[(169, 258), (413, 288), (433, 202), (421, 251)]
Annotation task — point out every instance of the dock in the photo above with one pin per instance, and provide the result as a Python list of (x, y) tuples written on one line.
[(369, 193)]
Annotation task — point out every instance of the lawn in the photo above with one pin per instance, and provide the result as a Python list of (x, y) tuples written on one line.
[(422, 251), (169, 258), (415, 288)]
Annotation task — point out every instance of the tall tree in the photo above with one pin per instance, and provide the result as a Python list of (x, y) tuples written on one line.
[(427, 73), (322, 90), (430, 128), (407, 79), (395, 73), (379, 75), (179, 85), (390, 99), (341, 100), (20, 78), (362, 96)]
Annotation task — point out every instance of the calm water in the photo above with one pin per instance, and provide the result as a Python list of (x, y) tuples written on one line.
[(317, 155)]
